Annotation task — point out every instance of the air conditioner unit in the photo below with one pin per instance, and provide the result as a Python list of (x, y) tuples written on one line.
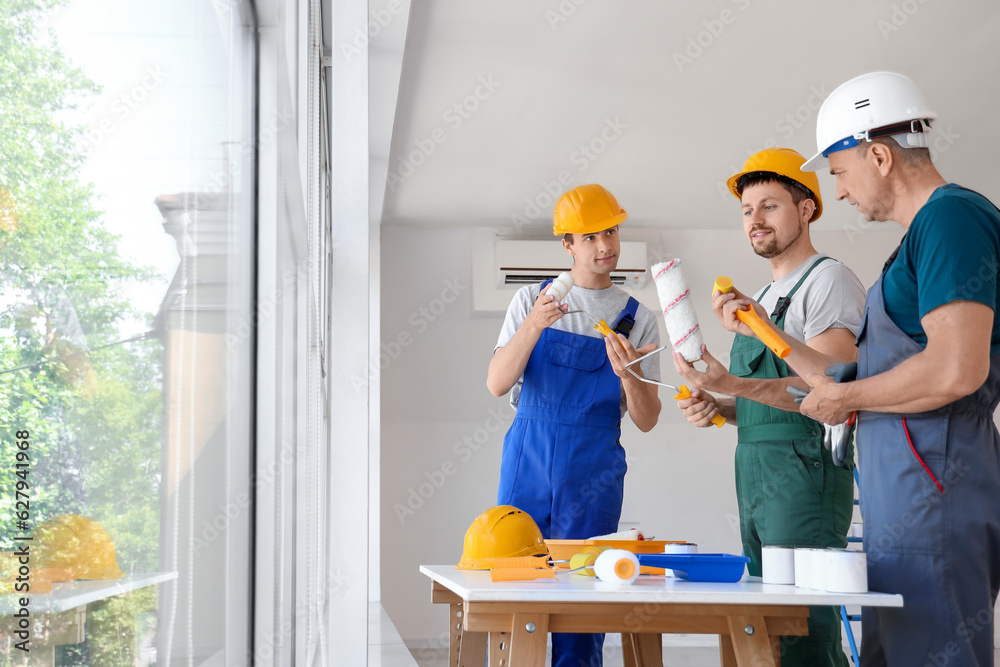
[(501, 266)]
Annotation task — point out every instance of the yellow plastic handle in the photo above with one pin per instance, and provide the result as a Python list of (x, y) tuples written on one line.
[(521, 561), (750, 318), (684, 392), (603, 328)]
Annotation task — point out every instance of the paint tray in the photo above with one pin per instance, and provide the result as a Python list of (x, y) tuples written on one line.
[(699, 567)]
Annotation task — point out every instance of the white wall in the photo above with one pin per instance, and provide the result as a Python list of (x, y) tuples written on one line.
[(680, 484)]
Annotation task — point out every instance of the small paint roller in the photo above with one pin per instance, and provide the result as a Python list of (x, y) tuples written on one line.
[(617, 566), (560, 287), (750, 318)]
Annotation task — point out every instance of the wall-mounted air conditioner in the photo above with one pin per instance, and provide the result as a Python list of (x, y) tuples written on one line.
[(500, 266)]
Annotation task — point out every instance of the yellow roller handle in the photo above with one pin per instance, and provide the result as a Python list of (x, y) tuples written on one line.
[(520, 573), (603, 328), (520, 561), (684, 392), (750, 318)]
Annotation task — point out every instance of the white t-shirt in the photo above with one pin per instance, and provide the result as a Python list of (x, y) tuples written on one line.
[(832, 297), (601, 304)]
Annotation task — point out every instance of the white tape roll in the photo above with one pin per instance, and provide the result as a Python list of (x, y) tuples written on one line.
[(778, 565), (845, 571), (808, 572), (678, 311), (561, 285), (679, 548), (617, 566)]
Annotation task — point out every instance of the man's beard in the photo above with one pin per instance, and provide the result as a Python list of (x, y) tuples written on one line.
[(771, 248)]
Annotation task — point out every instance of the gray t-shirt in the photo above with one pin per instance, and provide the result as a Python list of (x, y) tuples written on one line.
[(832, 297), (599, 303)]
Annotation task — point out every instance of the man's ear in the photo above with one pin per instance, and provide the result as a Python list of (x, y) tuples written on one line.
[(808, 207), (568, 247), (881, 157)]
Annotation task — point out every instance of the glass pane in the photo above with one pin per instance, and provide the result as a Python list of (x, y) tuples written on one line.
[(126, 231)]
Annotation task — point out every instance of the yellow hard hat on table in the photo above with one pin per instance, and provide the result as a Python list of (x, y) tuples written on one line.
[(586, 209), (503, 531)]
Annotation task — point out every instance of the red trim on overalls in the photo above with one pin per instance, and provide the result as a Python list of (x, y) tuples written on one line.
[(914, 450)]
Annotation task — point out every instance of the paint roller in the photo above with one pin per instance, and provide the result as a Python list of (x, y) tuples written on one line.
[(560, 287), (678, 313), (750, 318), (681, 321)]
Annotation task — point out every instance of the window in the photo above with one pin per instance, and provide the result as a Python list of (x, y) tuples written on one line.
[(127, 227)]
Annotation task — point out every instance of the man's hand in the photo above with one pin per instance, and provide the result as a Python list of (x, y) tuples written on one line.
[(725, 306), (715, 377), (700, 408), (545, 311), (621, 352), (825, 402)]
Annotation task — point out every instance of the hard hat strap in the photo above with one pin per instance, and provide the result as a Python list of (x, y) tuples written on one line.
[(915, 126)]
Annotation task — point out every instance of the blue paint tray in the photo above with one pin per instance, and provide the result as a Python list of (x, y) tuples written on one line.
[(699, 567)]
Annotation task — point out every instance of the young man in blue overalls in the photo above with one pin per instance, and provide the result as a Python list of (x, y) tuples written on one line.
[(562, 462)]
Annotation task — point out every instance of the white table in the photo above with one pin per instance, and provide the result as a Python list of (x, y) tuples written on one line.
[(749, 616)]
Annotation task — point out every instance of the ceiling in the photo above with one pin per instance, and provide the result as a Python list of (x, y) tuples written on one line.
[(483, 112)]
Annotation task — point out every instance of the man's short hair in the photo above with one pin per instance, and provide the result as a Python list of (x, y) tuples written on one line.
[(796, 189), (568, 238), (912, 157)]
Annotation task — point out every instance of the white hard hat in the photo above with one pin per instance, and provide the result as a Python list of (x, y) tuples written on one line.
[(877, 104)]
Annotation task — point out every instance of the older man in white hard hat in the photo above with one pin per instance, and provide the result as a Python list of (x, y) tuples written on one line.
[(928, 381)]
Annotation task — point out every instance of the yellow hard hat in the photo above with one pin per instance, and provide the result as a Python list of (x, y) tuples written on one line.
[(783, 162), (77, 543), (500, 532), (586, 209)]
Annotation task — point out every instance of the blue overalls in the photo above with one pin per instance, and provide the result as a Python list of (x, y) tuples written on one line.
[(930, 501), (562, 462)]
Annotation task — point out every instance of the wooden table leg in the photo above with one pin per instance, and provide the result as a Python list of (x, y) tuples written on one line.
[(726, 651), (454, 633), (499, 648), (528, 637), (473, 652), (642, 649), (750, 640)]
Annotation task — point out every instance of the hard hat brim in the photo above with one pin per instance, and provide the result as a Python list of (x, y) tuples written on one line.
[(815, 163), (596, 227)]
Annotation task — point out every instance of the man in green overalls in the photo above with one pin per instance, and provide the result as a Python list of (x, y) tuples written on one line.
[(789, 491)]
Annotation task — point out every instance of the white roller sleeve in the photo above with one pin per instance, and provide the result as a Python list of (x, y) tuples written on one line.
[(617, 566), (678, 311), (560, 286)]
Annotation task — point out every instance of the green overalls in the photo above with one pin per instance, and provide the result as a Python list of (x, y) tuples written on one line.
[(789, 491)]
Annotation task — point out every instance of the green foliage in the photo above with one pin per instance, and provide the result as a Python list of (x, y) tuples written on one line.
[(94, 417)]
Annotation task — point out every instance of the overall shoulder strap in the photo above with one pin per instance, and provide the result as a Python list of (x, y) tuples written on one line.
[(626, 318), (783, 302)]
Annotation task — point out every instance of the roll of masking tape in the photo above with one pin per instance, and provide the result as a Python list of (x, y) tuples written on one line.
[(844, 571), (561, 285), (807, 568), (617, 566), (778, 565), (678, 548)]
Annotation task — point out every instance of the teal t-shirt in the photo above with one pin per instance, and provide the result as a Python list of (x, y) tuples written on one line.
[(950, 253)]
